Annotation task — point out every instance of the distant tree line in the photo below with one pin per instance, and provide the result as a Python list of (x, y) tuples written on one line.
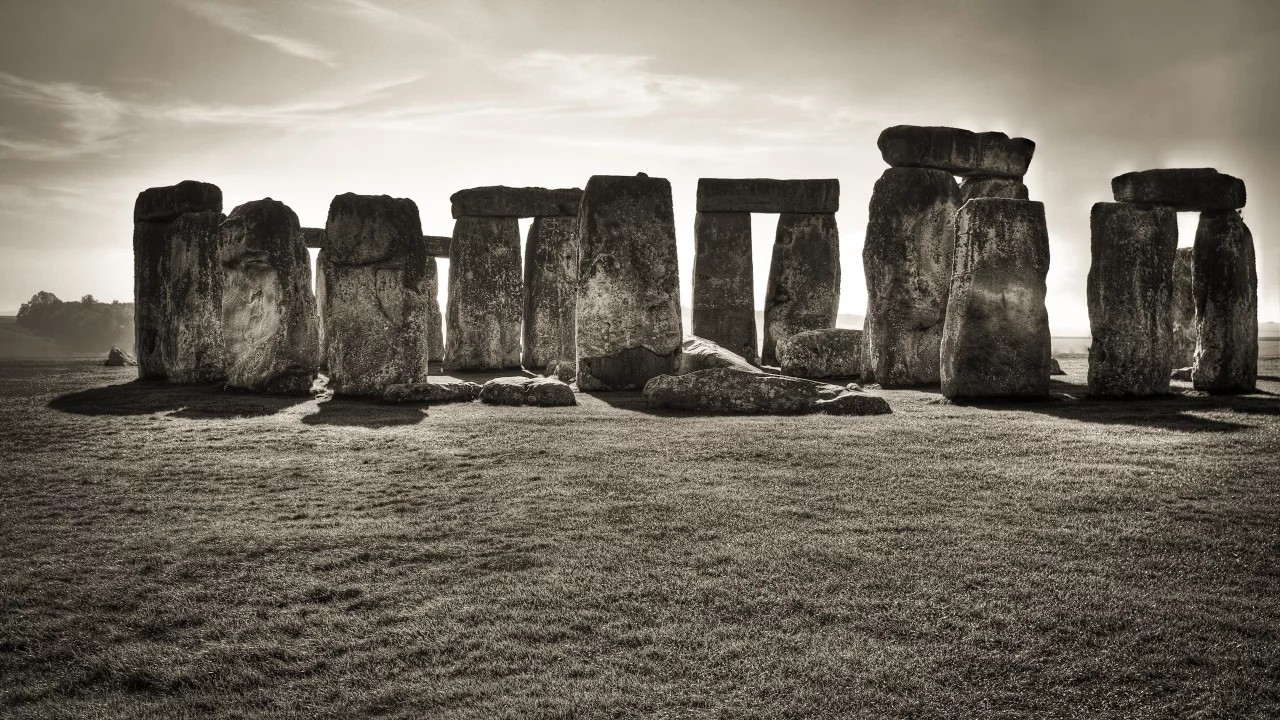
[(82, 326)]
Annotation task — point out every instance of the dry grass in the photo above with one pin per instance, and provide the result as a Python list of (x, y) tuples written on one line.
[(170, 552)]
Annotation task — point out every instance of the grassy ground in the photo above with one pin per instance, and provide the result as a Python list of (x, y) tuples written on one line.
[(170, 551)]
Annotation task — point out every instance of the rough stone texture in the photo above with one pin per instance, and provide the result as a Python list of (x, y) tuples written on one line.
[(429, 288), (119, 358), (907, 260), (959, 152), (701, 354), (321, 265), (1182, 373), (1184, 189), (540, 391), (981, 187), (1130, 291), (727, 390), (995, 341), (804, 280), (762, 195), (193, 350), (485, 295), (629, 327), (165, 204), (376, 315), (1183, 348), (437, 245), (1226, 286), (499, 201), (831, 352), (550, 292), (432, 393), (724, 282), (1055, 368), (563, 370), (270, 325), (312, 237)]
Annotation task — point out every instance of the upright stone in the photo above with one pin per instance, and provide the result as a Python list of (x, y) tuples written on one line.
[(375, 313), (193, 299), (907, 261), (485, 296), (550, 292), (629, 327), (723, 282), (269, 321), (996, 341), (1184, 309), (429, 287), (1130, 289), (1226, 286), (804, 279)]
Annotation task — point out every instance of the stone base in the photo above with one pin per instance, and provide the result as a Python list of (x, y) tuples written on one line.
[(629, 369)]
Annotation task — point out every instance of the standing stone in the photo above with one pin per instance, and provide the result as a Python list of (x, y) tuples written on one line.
[(907, 261), (429, 287), (193, 300), (723, 282), (485, 296), (550, 292), (375, 313), (629, 327), (996, 341), (1226, 286), (804, 279), (996, 187), (1130, 289), (269, 321), (1183, 350), (833, 352)]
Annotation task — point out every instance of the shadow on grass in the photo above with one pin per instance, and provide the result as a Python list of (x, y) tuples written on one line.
[(207, 401), (1170, 412), (364, 412)]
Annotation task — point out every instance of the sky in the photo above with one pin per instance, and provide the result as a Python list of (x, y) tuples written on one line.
[(301, 100)]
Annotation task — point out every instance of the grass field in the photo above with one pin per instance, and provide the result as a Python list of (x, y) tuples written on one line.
[(170, 552)]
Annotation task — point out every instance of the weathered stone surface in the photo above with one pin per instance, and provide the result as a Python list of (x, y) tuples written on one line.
[(761, 195), (437, 245), (1055, 368), (804, 280), (540, 391), (321, 265), (150, 318), (1183, 349), (312, 237), (1182, 373), (907, 260), (193, 299), (1130, 291), (959, 152), (629, 327), (269, 322), (827, 353), (563, 370), (1226, 286), (119, 358), (432, 393), (429, 288), (1185, 189), (995, 340), (164, 204), (728, 390), (550, 292), (376, 313), (701, 354), (500, 201), (724, 282), (980, 187), (486, 300)]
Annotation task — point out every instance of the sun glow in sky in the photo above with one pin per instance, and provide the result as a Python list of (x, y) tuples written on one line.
[(301, 100)]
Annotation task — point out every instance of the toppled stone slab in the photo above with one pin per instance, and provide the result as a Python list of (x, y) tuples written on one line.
[(500, 201), (1183, 309), (761, 195), (432, 393), (550, 292), (1226, 285), (1182, 373), (540, 391), (701, 354), (119, 358), (995, 340), (563, 370), (804, 279), (1130, 292), (193, 351), (826, 353), (981, 187), (1055, 368), (724, 282), (1183, 189), (486, 297), (165, 204), (437, 245), (312, 237), (728, 390), (959, 152)]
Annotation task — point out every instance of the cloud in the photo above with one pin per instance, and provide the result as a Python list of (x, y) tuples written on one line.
[(242, 21), (394, 20), (92, 121)]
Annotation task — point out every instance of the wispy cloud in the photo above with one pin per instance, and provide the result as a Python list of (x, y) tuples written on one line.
[(395, 21), (91, 120), (245, 22)]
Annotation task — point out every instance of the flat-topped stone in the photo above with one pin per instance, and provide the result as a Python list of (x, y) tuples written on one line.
[(1183, 189), (369, 229), (1226, 288), (163, 204), (446, 391), (701, 354), (312, 237), (538, 391), (437, 245), (763, 195), (501, 201), (959, 152)]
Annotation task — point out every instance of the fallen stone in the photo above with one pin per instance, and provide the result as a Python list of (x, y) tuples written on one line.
[(1130, 292), (907, 260), (701, 354), (1183, 189), (826, 353), (995, 340), (1183, 350), (1055, 368), (1182, 373), (193, 351), (1226, 286), (540, 391), (803, 292), (724, 282), (728, 390), (499, 201), (982, 187), (165, 204), (563, 370), (628, 327), (959, 152), (486, 301), (437, 245), (550, 292), (312, 237), (119, 358), (853, 402), (432, 393), (760, 195)]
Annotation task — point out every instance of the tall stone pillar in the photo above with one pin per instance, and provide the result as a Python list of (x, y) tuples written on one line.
[(485, 294), (724, 282), (437, 247), (550, 292), (804, 279), (193, 300), (1184, 309), (1226, 287)]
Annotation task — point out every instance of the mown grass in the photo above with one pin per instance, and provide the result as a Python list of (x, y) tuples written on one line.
[(169, 552)]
